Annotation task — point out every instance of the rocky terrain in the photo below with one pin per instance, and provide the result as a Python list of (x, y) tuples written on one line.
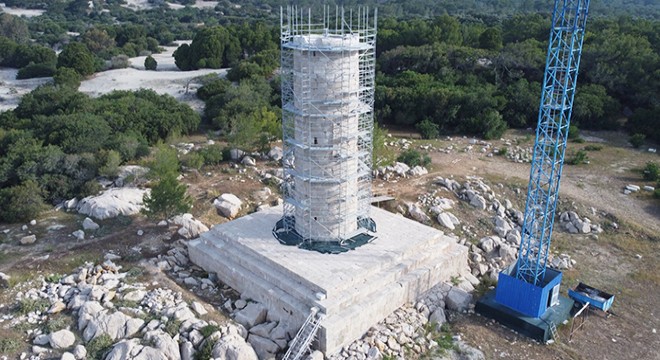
[(133, 293)]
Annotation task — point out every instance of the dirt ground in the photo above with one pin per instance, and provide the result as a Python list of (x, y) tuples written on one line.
[(622, 261)]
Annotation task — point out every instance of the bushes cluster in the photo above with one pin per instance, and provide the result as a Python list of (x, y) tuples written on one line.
[(57, 141), (414, 158)]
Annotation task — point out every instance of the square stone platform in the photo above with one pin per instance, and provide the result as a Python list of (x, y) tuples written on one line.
[(355, 290)]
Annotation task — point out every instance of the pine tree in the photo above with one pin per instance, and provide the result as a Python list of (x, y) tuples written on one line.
[(167, 199)]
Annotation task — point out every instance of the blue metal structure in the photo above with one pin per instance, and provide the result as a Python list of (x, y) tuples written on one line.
[(561, 72)]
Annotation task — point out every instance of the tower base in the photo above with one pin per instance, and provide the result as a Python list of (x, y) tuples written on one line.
[(355, 290), (537, 328)]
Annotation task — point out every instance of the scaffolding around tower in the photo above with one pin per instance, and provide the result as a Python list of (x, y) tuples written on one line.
[(328, 71)]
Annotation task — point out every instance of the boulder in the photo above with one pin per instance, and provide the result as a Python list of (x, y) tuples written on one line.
[(233, 347), (28, 240), (117, 325), (514, 237), (487, 244), (458, 299), (251, 315), (80, 352), (478, 201), (199, 308), (89, 224), (418, 171), (438, 317), (190, 227), (508, 253), (446, 221), (276, 153), (228, 205), (263, 330), (418, 214), (399, 168), (68, 356), (467, 352), (112, 203), (79, 234), (62, 339), (236, 154), (162, 341), (265, 348), (248, 161), (187, 351)]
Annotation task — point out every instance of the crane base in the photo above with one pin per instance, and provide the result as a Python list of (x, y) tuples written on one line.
[(537, 328)]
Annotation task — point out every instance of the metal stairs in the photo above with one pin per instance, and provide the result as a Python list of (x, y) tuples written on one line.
[(300, 345)]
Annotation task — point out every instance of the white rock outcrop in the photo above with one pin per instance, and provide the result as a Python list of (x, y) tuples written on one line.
[(112, 203), (228, 205)]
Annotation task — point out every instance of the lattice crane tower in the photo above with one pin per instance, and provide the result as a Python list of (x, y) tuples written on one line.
[(529, 288), (328, 70)]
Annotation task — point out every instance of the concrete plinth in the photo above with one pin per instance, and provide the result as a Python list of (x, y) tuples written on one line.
[(355, 289)]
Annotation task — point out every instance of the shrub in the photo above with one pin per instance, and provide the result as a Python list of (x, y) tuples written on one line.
[(119, 62), (579, 158), (637, 140), (428, 129), (593, 148), (503, 151), (65, 76), (193, 160), (76, 56), (413, 158), (652, 172), (150, 63), (573, 132), (212, 155), (167, 199), (99, 346), (33, 70), (656, 193), (22, 202), (110, 161)]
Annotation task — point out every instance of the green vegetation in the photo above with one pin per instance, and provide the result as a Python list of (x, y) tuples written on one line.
[(168, 198), (99, 346), (578, 158), (593, 148), (652, 171), (26, 306), (150, 63), (637, 140), (172, 327), (9, 345), (413, 158)]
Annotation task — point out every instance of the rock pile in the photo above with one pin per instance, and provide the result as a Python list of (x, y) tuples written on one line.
[(398, 170), (572, 223)]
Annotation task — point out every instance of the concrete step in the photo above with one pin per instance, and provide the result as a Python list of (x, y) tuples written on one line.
[(261, 266), (248, 283), (357, 291), (373, 308)]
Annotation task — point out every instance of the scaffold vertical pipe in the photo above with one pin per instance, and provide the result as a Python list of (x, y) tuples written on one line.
[(561, 72), (328, 79)]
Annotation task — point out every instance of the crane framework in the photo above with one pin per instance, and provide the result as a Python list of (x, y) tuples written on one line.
[(561, 72), (529, 287)]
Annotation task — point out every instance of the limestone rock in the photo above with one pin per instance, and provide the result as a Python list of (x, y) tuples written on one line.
[(235, 154), (263, 330), (80, 352), (248, 161), (190, 227), (89, 224), (458, 299), (418, 214), (228, 204), (265, 348), (199, 308), (276, 153), (446, 221), (438, 317), (467, 352), (251, 315), (133, 172), (187, 351), (164, 343), (28, 240), (233, 347), (79, 234), (42, 339), (68, 356), (479, 202), (62, 339), (418, 171), (135, 295), (112, 203)]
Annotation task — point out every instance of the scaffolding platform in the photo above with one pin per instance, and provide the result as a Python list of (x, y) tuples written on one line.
[(355, 290)]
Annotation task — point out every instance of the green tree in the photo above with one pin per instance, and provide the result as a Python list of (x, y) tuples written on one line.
[(68, 77), (491, 39), (165, 162), (428, 129), (182, 58), (76, 56), (109, 161), (652, 171), (21, 203), (167, 199), (637, 140), (14, 28), (33, 70), (150, 63)]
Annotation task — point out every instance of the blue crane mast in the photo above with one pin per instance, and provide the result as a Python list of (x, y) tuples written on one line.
[(528, 289), (561, 73)]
